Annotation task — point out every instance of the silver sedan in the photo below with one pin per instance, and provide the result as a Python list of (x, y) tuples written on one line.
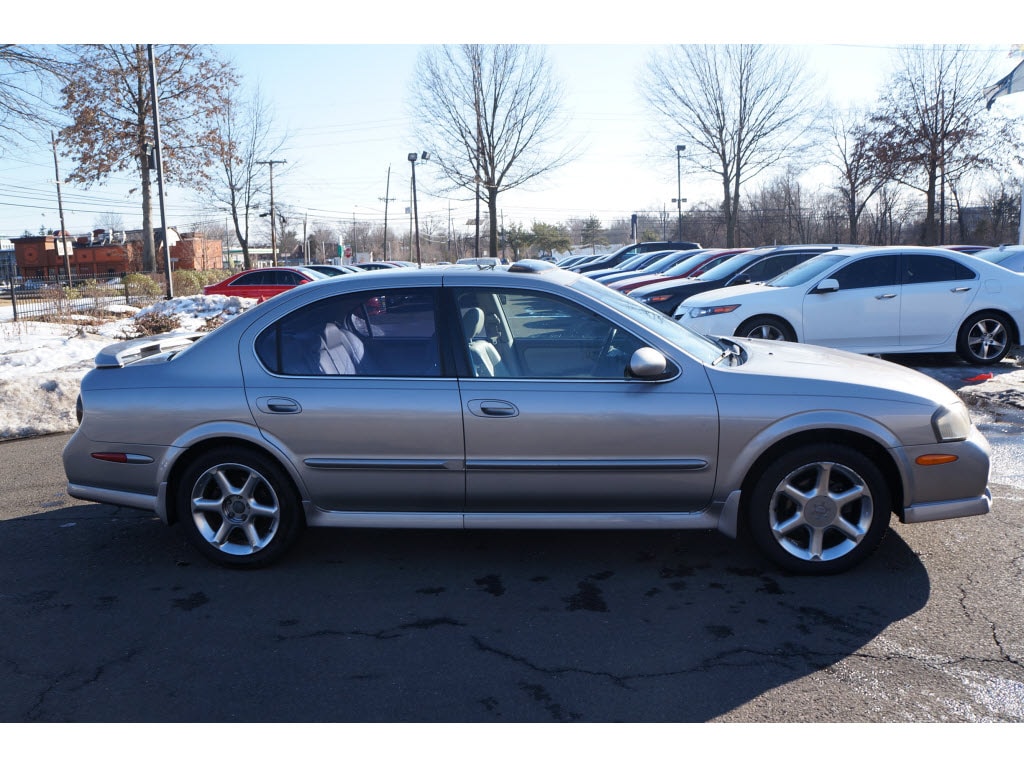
[(526, 398)]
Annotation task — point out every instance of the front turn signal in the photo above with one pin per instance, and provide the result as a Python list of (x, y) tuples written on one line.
[(935, 459)]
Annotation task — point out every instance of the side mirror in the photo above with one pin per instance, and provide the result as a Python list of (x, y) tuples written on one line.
[(828, 285), (740, 280), (647, 363)]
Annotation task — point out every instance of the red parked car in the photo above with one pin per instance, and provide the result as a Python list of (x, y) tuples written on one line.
[(263, 283)]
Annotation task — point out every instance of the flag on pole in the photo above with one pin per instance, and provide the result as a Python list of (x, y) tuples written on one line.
[(1012, 83)]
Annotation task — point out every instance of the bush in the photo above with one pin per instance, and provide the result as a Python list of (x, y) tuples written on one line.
[(190, 282), (150, 324), (139, 286)]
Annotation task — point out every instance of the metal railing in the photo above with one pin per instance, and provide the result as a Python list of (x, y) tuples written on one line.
[(58, 302)]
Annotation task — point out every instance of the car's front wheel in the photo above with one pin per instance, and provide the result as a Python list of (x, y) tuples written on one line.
[(238, 508), (984, 338), (766, 327), (819, 509)]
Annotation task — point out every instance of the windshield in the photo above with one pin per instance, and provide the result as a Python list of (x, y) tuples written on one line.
[(729, 267), (664, 262), (809, 269), (996, 255), (701, 347), (635, 261)]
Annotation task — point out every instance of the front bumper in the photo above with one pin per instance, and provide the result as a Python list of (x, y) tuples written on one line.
[(947, 510)]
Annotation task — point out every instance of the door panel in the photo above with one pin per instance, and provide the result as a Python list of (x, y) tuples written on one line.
[(352, 387), (864, 314), (563, 428)]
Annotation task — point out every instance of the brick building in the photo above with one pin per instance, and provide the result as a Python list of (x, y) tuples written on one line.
[(101, 256)]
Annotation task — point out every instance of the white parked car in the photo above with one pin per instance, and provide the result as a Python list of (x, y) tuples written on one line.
[(875, 300), (1007, 256)]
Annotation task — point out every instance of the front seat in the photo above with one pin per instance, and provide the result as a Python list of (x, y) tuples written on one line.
[(483, 354)]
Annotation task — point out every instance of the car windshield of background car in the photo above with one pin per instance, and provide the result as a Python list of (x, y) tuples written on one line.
[(701, 347), (729, 267), (814, 266)]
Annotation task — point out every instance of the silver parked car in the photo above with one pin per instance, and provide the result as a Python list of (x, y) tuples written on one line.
[(527, 398)]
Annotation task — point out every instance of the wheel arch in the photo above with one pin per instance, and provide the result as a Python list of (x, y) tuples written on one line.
[(1006, 317), (185, 458), (875, 451), (762, 316)]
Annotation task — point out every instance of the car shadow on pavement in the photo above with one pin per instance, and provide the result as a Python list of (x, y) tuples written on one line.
[(112, 617)]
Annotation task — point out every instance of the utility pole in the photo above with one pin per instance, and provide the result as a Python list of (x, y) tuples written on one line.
[(60, 209), (273, 221), (160, 171), (386, 199)]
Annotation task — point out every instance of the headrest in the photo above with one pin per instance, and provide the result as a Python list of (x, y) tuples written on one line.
[(473, 322)]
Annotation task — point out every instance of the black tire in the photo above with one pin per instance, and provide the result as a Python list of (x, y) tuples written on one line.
[(766, 327), (819, 509), (238, 508), (984, 338)]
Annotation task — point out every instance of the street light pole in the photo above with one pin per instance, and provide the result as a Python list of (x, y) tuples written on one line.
[(413, 157), (680, 148), (273, 222)]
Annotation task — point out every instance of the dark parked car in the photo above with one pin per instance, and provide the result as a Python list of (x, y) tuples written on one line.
[(696, 263), (614, 259), (665, 260), (753, 266), (333, 270), (530, 397)]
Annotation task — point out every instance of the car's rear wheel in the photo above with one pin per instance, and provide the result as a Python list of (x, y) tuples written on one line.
[(766, 327), (819, 509), (238, 508), (984, 338)]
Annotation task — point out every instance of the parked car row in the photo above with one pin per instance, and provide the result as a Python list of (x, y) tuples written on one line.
[(877, 301), (263, 283), (963, 299)]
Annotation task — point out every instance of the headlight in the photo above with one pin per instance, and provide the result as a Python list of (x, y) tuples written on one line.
[(656, 299), (951, 422), (721, 309)]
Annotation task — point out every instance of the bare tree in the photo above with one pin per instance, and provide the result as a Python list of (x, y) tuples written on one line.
[(26, 74), (739, 110), (108, 99), (861, 174), (245, 129), (488, 114), (932, 128)]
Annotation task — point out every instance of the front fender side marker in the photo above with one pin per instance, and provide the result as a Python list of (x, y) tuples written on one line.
[(935, 459)]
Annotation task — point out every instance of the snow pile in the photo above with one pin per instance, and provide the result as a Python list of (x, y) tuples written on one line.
[(42, 364)]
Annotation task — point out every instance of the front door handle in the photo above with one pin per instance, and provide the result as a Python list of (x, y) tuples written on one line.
[(886, 296)]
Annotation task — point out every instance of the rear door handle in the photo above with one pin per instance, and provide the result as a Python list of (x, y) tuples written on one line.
[(278, 405), (500, 409), (960, 290)]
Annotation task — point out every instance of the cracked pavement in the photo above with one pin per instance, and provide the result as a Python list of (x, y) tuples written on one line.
[(111, 617)]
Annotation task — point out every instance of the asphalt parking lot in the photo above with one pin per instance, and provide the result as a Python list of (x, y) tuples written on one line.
[(111, 617)]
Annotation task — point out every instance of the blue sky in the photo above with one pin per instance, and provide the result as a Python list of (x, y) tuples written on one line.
[(344, 106)]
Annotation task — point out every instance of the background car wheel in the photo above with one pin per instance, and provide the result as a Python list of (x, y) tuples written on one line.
[(766, 328), (984, 338), (819, 509), (238, 508)]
